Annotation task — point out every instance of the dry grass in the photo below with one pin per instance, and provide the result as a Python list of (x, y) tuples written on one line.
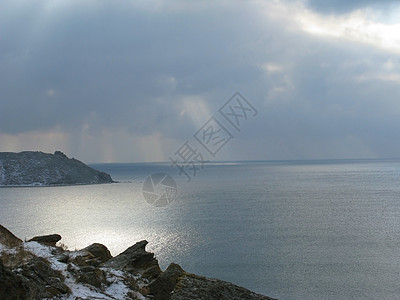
[(62, 246)]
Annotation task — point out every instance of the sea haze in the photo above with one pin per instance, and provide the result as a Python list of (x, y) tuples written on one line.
[(290, 230)]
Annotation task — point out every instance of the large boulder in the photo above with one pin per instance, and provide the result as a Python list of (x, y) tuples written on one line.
[(7, 238), (99, 252), (136, 260), (92, 255), (48, 240)]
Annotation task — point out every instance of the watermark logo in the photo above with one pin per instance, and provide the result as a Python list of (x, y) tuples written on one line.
[(188, 160), (159, 189), (213, 136), (237, 109)]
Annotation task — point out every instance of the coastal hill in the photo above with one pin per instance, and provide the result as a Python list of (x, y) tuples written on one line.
[(31, 168), (41, 269)]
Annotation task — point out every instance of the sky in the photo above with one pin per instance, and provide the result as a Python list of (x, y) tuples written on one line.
[(133, 81)]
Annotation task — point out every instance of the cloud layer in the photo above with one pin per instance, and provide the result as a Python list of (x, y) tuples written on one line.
[(344, 6), (131, 81)]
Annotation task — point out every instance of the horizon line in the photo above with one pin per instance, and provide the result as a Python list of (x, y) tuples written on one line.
[(257, 160)]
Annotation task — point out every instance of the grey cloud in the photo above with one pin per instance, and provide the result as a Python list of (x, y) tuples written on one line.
[(109, 60), (345, 6), (329, 103), (122, 67)]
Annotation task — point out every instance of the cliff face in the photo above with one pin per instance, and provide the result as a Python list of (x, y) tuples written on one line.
[(37, 168)]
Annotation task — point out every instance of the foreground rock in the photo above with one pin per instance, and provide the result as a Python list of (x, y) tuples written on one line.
[(37, 168), (34, 270)]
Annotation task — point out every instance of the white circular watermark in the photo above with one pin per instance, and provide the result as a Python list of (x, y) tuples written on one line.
[(159, 189)]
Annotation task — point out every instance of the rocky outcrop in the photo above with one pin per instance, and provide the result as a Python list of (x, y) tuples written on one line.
[(176, 284), (49, 240), (136, 260), (33, 270), (190, 286), (37, 168)]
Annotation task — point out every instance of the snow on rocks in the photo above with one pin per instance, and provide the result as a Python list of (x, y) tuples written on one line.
[(34, 270), (80, 279), (115, 288)]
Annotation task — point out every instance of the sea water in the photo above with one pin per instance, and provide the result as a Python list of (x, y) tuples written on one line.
[(290, 230)]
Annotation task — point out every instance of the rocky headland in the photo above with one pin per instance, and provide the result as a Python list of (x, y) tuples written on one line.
[(30, 168), (41, 269)]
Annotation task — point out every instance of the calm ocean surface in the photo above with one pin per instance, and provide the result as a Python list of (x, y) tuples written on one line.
[(290, 230)]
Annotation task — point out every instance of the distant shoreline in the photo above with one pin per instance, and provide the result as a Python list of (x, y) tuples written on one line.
[(54, 185), (34, 168)]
